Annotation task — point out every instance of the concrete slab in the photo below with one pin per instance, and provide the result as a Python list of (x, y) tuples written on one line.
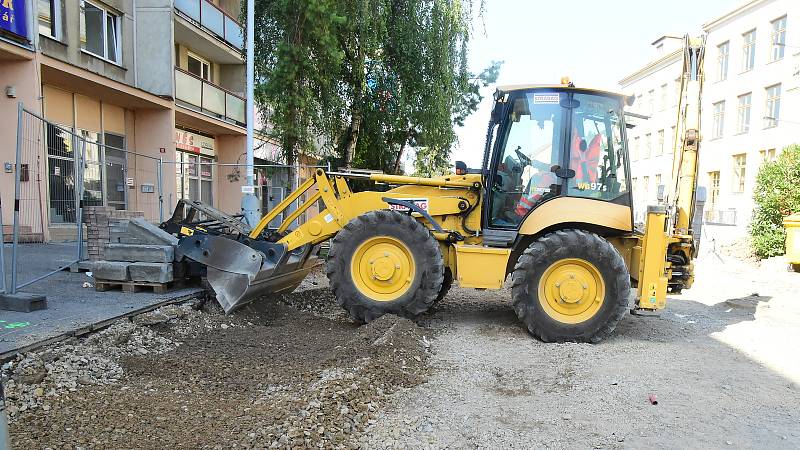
[(111, 270), (139, 253), (150, 272), (72, 308), (22, 302), (146, 231)]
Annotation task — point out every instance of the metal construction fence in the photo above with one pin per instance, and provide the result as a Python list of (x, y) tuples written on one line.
[(59, 171)]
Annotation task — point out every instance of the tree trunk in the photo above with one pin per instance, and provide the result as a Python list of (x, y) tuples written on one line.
[(400, 152), (355, 129)]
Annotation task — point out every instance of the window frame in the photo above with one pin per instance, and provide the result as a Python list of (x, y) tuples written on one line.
[(772, 106), (718, 121), (774, 45), (648, 145), (723, 59), (56, 25), (748, 51), (203, 61), (739, 179), (107, 11), (743, 113), (660, 146)]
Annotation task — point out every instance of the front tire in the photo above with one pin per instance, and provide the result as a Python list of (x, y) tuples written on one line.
[(571, 285), (385, 262)]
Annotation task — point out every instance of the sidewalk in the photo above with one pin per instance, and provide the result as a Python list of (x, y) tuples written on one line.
[(72, 309)]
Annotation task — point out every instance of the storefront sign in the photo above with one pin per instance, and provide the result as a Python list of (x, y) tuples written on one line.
[(13, 18), (248, 189), (193, 142)]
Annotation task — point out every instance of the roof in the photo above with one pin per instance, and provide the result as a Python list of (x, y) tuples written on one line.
[(525, 87)]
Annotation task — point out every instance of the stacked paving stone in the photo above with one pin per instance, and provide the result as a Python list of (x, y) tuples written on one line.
[(134, 251), (101, 222)]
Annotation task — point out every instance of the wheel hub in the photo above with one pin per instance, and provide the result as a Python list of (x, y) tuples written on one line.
[(382, 268), (571, 290)]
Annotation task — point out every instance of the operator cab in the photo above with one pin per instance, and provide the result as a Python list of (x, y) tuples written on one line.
[(554, 141)]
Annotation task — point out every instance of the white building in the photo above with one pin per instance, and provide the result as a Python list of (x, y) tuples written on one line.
[(748, 105)]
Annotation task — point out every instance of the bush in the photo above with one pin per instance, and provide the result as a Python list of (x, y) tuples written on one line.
[(776, 195)]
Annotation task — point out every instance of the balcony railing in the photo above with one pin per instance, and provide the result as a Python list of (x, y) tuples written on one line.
[(720, 216), (213, 19), (209, 98)]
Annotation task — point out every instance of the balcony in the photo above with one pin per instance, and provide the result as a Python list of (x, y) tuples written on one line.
[(200, 95), (214, 20)]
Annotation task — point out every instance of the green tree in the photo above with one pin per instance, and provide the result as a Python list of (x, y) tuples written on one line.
[(776, 195), (365, 77), (298, 65)]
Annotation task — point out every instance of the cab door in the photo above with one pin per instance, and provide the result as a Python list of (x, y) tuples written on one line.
[(528, 157)]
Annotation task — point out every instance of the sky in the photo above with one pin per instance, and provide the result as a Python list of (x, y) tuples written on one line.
[(594, 42)]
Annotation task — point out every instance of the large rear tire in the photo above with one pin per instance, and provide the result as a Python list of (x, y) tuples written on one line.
[(571, 285), (385, 262)]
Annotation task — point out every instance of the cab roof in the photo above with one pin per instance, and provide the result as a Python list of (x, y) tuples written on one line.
[(502, 90)]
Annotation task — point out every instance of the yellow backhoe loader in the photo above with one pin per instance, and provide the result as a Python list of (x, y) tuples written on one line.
[(551, 206)]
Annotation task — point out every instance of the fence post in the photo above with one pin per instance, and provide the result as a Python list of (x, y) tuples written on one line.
[(2, 248), (79, 197), (15, 233), (160, 189), (5, 440)]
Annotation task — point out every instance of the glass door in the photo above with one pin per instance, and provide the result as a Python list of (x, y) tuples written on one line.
[(116, 166)]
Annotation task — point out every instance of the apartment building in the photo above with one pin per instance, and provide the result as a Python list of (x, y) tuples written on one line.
[(752, 69), (158, 78), (651, 141)]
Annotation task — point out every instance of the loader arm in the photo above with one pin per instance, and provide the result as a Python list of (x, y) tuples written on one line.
[(341, 205)]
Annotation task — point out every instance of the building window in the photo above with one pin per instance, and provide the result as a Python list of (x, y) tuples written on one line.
[(660, 147), (50, 18), (636, 144), (663, 97), (719, 120), (773, 110), (658, 184), (638, 103), (722, 61), (713, 188), (645, 189), (674, 134), (194, 177), (743, 115), (651, 99), (777, 39), (198, 66), (677, 91), (748, 50), (767, 155), (739, 166), (100, 32), (648, 145)]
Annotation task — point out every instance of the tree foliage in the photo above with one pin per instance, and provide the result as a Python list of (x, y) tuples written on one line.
[(366, 78), (776, 196)]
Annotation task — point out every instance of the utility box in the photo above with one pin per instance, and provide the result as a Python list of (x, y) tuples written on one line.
[(792, 225)]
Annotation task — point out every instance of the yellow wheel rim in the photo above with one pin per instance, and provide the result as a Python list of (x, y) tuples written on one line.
[(571, 290), (382, 268)]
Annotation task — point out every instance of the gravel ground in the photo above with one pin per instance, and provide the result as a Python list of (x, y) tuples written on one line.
[(294, 372), (722, 362)]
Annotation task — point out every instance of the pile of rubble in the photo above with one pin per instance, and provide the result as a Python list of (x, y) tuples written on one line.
[(38, 379)]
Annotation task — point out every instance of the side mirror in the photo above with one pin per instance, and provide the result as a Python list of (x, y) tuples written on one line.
[(461, 168), (629, 100)]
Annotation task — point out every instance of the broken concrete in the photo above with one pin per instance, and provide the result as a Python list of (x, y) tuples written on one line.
[(139, 253), (110, 270), (151, 272), (149, 233)]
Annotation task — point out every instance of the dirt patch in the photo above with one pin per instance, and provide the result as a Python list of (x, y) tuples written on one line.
[(271, 375)]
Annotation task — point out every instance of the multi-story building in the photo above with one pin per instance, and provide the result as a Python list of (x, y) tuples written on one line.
[(749, 98), (157, 78)]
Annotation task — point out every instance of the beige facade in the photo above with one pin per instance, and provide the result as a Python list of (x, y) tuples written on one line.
[(160, 79), (750, 99)]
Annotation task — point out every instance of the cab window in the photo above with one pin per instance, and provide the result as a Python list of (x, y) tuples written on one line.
[(596, 148), (531, 148)]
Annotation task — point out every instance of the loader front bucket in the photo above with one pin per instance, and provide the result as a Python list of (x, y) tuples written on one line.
[(241, 272)]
